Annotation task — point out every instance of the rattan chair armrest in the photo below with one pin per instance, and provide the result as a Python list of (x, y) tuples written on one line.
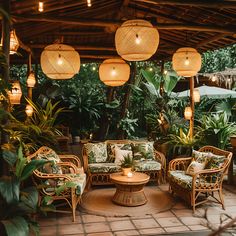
[(160, 157), (69, 164), (85, 159), (179, 163), (51, 176), (71, 158)]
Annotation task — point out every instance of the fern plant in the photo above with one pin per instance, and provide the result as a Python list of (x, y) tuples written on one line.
[(127, 162)]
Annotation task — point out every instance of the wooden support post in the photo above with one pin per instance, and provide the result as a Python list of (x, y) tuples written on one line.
[(6, 40), (191, 125)]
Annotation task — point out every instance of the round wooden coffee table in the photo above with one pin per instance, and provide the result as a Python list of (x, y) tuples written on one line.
[(129, 190)]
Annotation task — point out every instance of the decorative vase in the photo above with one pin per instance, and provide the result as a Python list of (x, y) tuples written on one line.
[(125, 171)]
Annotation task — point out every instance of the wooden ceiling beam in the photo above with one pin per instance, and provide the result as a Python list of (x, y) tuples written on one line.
[(196, 3), (108, 23)]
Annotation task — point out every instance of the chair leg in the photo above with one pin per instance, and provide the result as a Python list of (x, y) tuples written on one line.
[(193, 201), (221, 198), (74, 202)]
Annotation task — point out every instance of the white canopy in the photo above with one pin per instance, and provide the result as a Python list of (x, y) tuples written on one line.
[(211, 92)]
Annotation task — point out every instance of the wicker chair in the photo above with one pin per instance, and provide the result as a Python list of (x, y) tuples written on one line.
[(67, 184), (203, 183)]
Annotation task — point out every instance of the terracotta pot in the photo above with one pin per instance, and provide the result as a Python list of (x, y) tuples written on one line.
[(126, 171), (233, 141)]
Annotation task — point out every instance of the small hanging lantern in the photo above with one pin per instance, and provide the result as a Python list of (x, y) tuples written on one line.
[(136, 40), (15, 93), (14, 42), (29, 110), (41, 6), (196, 95), (114, 72), (31, 81), (60, 61), (188, 113), (186, 62)]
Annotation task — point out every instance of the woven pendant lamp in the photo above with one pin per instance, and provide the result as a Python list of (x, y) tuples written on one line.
[(14, 42), (114, 72), (15, 93), (188, 113), (136, 40), (186, 62), (60, 61)]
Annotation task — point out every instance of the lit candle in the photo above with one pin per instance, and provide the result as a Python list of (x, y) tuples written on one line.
[(130, 174)]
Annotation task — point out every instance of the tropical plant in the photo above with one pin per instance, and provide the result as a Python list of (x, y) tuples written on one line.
[(128, 125), (216, 130), (183, 143), (38, 130), (127, 162), (18, 204)]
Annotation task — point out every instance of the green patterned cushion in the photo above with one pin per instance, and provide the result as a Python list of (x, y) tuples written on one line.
[(180, 178), (78, 179), (51, 167), (147, 165), (200, 156), (142, 151), (111, 149), (215, 161), (97, 152), (104, 167)]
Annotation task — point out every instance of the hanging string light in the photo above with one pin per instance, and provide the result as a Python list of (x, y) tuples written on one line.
[(29, 110), (188, 113), (41, 7), (89, 3)]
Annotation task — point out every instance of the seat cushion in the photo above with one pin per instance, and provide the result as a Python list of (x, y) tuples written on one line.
[(79, 180), (180, 178), (104, 167), (143, 150), (147, 165), (97, 152)]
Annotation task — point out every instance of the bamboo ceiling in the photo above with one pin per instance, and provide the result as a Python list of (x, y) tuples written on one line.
[(204, 25)]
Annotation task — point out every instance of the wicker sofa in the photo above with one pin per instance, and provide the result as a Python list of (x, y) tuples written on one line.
[(196, 186), (100, 160)]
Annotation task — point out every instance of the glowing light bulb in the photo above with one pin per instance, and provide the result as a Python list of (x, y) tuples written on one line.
[(150, 69), (214, 78), (93, 68), (137, 40), (40, 9), (59, 60), (113, 72), (89, 4), (165, 72), (186, 62)]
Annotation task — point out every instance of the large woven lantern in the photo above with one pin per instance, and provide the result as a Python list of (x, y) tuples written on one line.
[(114, 72), (60, 61), (186, 62), (15, 93), (136, 40)]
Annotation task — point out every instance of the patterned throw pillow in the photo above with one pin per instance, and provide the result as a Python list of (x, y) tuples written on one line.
[(200, 156), (97, 152), (194, 167), (120, 154), (111, 150), (51, 167), (143, 150), (215, 161)]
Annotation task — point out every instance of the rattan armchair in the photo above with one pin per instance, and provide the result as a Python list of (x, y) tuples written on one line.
[(200, 187), (67, 184)]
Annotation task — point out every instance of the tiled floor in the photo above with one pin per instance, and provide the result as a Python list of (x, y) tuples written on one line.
[(178, 219)]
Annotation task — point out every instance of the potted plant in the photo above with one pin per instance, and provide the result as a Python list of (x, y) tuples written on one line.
[(127, 164)]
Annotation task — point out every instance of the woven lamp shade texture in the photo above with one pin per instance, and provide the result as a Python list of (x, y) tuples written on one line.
[(60, 61), (179, 62), (188, 113), (196, 95), (114, 72), (15, 93), (14, 42), (126, 36)]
